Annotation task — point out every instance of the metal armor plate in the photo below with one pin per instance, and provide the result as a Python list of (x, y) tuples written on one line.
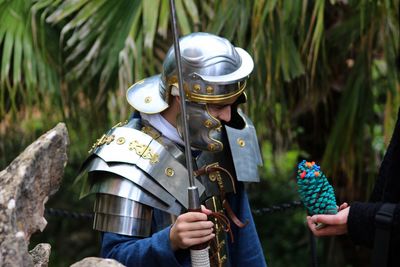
[(244, 142), (131, 172), (131, 146)]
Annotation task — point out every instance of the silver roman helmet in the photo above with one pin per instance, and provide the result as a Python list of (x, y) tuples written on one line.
[(214, 72)]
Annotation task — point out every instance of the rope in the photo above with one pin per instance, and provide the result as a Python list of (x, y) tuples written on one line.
[(67, 214), (51, 212), (278, 208)]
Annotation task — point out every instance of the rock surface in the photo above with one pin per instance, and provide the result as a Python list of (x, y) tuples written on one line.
[(97, 262), (25, 186), (40, 255)]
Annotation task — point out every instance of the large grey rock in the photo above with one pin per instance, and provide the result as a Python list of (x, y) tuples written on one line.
[(25, 186), (97, 262)]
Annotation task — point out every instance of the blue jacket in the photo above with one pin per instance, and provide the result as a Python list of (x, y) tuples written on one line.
[(156, 250)]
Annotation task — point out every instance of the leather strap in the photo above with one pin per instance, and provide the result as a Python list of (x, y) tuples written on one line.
[(224, 221), (383, 225), (232, 215), (213, 168)]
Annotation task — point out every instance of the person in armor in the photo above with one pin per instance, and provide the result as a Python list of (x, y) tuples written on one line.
[(137, 169)]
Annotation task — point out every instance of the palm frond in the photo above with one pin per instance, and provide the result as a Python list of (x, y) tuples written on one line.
[(25, 72), (313, 58)]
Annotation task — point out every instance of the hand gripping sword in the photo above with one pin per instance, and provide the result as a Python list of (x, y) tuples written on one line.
[(199, 254)]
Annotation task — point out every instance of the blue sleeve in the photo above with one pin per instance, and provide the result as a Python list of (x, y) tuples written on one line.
[(151, 251), (246, 249)]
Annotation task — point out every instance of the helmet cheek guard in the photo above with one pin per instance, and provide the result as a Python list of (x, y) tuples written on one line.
[(205, 130)]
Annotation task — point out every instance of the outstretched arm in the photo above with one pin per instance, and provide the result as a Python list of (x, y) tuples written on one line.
[(334, 224), (358, 221)]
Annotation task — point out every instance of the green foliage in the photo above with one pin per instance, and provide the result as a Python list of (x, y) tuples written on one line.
[(325, 86), (24, 62), (362, 29), (283, 235)]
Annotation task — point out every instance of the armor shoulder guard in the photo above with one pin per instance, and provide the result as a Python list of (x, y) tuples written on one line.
[(122, 216), (245, 150), (129, 169)]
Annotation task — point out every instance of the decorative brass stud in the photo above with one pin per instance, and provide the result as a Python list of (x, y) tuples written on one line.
[(120, 140), (220, 244), (209, 90), (211, 147), (212, 176), (154, 158), (241, 142), (104, 139), (147, 99), (186, 89), (119, 124), (208, 123), (169, 172), (150, 131), (196, 87), (223, 259), (144, 151)]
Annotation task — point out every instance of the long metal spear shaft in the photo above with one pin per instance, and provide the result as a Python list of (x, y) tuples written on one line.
[(193, 192), (198, 254)]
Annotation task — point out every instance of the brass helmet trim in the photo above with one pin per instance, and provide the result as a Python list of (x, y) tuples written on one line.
[(217, 99), (214, 72)]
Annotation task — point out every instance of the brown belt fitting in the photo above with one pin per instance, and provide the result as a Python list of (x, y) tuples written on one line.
[(214, 167)]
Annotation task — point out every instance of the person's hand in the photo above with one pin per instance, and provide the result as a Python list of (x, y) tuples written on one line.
[(191, 228), (334, 224)]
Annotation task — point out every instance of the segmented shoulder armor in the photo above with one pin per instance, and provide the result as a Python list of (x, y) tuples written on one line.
[(132, 170)]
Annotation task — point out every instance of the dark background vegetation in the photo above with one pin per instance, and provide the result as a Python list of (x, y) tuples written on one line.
[(325, 88)]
